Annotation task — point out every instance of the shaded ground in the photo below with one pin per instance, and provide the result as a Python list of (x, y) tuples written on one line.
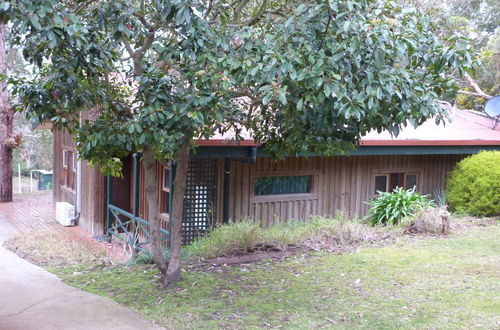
[(432, 282)]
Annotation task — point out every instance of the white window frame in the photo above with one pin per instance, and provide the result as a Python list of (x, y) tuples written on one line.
[(75, 159), (65, 158)]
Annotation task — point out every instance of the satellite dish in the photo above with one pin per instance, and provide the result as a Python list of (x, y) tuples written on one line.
[(492, 109)]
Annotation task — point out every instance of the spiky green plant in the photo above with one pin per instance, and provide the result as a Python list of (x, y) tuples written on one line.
[(388, 208)]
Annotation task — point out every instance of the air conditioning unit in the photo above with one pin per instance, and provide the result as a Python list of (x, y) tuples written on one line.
[(65, 212)]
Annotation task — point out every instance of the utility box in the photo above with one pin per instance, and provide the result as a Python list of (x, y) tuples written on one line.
[(44, 179), (65, 213)]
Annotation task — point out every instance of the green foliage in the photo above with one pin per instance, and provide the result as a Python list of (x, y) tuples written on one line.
[(388, 208), (474, 185), (439, 197), (313, 78)]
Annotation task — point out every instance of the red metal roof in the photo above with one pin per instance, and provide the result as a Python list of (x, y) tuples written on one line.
[(465, 129)]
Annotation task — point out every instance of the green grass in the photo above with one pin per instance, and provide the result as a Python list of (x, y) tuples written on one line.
[(444, 283)]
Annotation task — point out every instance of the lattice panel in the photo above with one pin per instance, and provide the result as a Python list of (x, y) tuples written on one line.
[(200, 200)]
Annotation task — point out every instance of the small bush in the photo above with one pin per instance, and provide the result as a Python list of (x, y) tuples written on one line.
[(227, 239), (283, 235), (474, 186), (389, 208), (341, 228), (433, 220)]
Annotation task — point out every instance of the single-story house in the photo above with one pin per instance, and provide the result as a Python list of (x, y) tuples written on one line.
[(230, 182)]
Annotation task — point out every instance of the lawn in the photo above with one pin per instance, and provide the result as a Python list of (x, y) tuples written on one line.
[(444, 283)]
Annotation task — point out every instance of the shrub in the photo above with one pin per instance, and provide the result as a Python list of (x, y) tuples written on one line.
[(285, 234), (433, 220), (341, 228), (473, 187), (390, 208), (227, 239)]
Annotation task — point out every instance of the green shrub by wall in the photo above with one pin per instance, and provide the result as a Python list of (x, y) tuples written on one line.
[(474, 186), (388, 208)]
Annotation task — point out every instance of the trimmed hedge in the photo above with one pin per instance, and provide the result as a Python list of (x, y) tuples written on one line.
[(473, 187)]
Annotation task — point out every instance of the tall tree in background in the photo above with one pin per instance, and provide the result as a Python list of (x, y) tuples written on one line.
[(303, 76), (479, 21), (7, 143)]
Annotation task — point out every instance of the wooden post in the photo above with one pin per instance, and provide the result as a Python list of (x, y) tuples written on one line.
[(31, 181)]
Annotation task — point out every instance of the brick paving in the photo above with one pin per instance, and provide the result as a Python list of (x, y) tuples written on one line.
[(35, 212), (28, 212)]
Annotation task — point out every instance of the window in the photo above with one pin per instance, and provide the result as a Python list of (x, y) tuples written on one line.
[(166, 179), (390, 181), (74, 161), (65, 158), (67, 175), (410, 181), (282, 185), (381, 183), (165, 189)]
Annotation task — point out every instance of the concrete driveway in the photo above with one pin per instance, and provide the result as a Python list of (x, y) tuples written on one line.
[(32, 298)]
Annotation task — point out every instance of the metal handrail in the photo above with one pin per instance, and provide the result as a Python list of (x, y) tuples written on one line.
[(139, 224)]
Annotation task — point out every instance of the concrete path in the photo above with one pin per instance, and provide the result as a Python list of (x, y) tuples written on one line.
[(32, 298)]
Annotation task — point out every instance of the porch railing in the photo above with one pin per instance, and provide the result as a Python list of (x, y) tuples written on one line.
[(133, 231)]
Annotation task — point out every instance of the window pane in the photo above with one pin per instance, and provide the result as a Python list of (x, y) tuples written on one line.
[(396, 180), (411, 181), (166, 179), (380, 183), (65, 158), (280, 185)]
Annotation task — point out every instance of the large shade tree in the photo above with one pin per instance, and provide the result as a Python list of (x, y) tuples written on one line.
[(301, 76)]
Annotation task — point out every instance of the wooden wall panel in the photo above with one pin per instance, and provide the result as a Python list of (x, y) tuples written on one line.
[(92, 215), (343, 183)]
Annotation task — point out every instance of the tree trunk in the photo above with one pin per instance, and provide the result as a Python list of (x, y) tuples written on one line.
[(6, 117), (154, 210), (174, 266)]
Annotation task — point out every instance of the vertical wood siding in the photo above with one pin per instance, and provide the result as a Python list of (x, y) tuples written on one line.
[(92, 216), (342, 183)]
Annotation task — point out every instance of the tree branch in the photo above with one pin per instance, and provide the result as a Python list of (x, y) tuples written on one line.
[(83, 6), (239, 9), (147, 43), (259, 14), (144, 22), (479, 92), (484, 96), (128, 47)]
